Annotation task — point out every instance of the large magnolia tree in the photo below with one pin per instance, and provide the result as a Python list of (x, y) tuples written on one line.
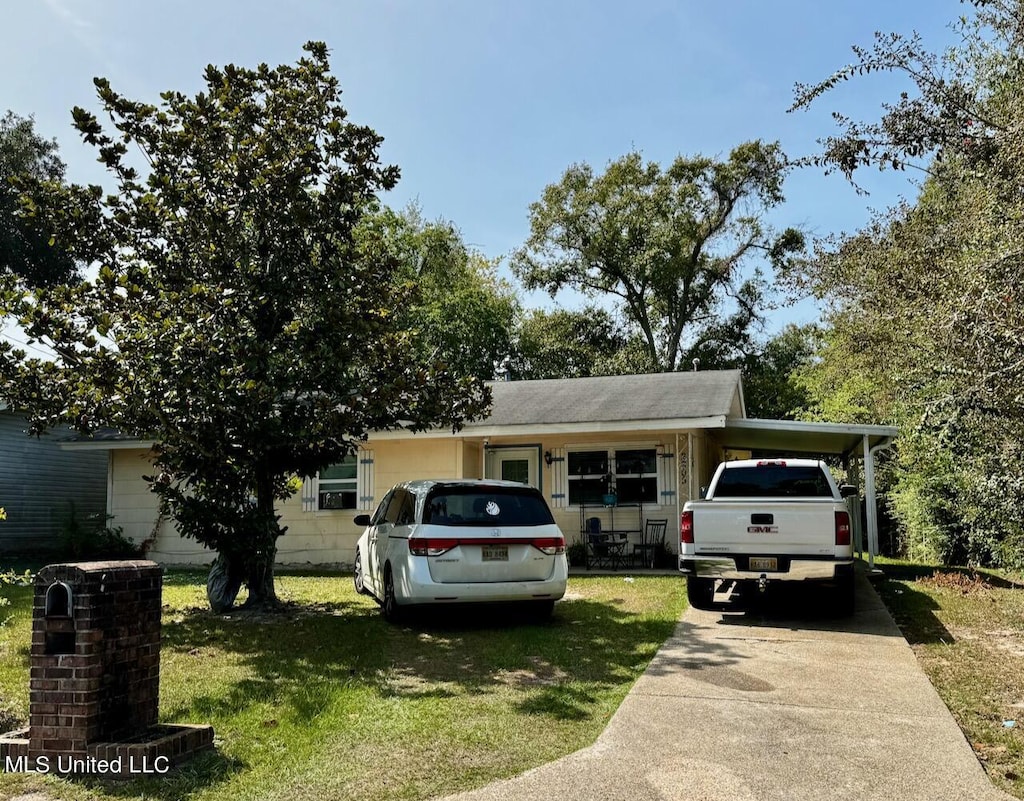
[(236, 319)]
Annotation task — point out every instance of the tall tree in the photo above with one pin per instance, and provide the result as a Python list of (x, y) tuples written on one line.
[(771, 384), (671, 245), (28, 248), (236, 319), (925, 313), (565, 343), (464, 312)]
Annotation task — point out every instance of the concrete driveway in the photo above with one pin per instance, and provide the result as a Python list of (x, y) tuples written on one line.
[(736, 707)]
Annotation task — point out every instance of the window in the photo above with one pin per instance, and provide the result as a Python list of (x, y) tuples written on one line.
[(589, 480), (382, 509), (493, 506), (631, 474), (636, 476), (336, 485), (773, 481), (402, 509)]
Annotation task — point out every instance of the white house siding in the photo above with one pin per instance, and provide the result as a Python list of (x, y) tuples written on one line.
[(329, 537), (136, 511), (38, 484), (313, 537)]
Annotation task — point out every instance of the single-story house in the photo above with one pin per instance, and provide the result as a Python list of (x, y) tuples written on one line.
[(651, 441), (40, 485)]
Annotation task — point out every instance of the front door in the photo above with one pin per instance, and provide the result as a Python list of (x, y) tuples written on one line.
[(514, 464)]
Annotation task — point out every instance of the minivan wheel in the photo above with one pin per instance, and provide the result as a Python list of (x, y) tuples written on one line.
[(389, 607), (357, 574), (542, 610)]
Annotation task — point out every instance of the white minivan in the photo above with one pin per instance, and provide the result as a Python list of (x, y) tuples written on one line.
[(459, 541)]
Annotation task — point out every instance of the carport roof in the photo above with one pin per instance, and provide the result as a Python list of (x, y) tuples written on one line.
[(800, 437)]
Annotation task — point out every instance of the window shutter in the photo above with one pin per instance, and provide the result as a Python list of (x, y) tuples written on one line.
[(309, 494), (364, 480), (559, 479), (666, 476)]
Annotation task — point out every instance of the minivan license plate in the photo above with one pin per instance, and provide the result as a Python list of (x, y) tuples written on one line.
[(764, 563), (495, 553)]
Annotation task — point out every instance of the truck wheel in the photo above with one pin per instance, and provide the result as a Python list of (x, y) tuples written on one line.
[(842, 600), (700, 592)]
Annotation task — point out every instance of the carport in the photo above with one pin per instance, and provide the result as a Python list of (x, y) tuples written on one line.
[(856, 445)]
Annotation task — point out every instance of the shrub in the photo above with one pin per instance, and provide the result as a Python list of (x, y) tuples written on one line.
[(576, 553), (95, 538)]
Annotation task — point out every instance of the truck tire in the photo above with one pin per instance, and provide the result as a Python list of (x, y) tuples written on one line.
[(700, 592), (843, 595)]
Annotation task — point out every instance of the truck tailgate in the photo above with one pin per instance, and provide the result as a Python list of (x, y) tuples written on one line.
[(793, 528)]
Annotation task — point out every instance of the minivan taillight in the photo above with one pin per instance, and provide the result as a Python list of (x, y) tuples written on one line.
[(686, 527), (550, 545), (431, 546), (842, 528)]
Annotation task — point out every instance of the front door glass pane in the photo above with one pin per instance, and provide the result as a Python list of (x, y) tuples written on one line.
[(515, 470)]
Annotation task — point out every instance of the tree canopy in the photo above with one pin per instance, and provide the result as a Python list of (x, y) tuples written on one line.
[(465, 314), (565, 343), (771, 385), (924, 303), (237, 318), (28, 248), (671, 246)]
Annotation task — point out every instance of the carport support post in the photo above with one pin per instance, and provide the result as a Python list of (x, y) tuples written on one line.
[(854, 504), (869, 502)]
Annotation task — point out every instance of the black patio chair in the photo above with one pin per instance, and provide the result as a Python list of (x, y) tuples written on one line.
[(651, 538)]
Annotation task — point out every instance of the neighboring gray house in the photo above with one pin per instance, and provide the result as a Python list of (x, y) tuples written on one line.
[(39, 482)]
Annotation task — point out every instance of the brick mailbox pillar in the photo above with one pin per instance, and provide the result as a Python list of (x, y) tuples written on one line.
[(95, 673), (95, 658)]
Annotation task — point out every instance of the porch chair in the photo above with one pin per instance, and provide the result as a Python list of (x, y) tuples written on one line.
[(597, 544), (651, 537)]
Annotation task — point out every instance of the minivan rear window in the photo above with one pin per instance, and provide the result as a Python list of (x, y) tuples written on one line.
[(486, 506), (773, 481)]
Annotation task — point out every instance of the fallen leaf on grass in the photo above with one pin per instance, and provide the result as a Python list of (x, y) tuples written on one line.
[(985, 751)]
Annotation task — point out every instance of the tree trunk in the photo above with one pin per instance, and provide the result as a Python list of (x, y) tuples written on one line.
[(259, 574), (260, 580)]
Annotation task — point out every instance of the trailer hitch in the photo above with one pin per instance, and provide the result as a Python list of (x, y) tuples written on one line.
[(762, 583)]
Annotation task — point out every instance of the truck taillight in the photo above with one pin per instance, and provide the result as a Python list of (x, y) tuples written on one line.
[(686, 527), (842, 528)]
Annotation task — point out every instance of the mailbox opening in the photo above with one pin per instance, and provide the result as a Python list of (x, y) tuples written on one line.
[(58, 600)]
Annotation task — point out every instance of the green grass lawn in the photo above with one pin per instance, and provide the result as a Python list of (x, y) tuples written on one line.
[(328, 701), (967, 629)]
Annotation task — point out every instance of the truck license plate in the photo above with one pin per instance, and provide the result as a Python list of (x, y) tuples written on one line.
[(495, 553), (763, 563)]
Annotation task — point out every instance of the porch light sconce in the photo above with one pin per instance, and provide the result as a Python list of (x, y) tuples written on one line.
[(547, 458)]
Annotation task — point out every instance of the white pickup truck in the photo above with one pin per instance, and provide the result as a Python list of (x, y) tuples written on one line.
[(767, 520)]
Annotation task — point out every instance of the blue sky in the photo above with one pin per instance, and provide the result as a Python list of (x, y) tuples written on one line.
[(483, 103)]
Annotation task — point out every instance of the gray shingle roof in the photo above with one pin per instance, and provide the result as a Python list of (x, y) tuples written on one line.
[(605, 399)]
